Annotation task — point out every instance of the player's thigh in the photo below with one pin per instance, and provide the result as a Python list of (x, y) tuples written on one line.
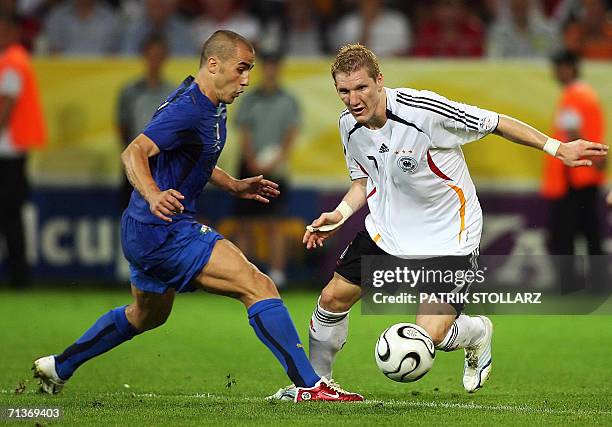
[(339, 295), (228, 272), (436, 319), (149, 309)]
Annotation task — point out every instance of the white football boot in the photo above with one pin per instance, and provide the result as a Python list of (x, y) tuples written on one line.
[(44, 370), (285, 393), (478, 360)]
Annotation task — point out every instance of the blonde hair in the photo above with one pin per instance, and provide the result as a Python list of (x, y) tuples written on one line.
[(353, 57)]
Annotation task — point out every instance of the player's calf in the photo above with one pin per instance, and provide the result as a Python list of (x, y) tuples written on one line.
[(149, 310), (437, 325)]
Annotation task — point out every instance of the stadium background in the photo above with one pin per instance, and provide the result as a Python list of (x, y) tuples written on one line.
[(72, 220), (205, 366)]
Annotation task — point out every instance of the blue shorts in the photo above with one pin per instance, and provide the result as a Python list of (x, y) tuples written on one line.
[(166, 256)]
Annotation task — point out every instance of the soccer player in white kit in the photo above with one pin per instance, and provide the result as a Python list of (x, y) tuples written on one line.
[(403, 152)]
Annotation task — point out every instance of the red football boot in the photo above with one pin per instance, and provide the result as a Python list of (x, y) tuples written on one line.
[(325, 390)]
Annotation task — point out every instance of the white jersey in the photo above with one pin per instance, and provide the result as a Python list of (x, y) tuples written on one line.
[(421, 197)]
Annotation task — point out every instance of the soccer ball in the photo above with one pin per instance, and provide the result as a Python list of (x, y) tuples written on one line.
[(404, 352)]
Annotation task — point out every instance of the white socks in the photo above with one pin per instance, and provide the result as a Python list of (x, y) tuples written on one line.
[(327, 335), (465, 332)]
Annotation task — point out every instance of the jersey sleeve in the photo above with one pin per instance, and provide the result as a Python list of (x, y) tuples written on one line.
[(167, 124), (355, 172), (451, 124)]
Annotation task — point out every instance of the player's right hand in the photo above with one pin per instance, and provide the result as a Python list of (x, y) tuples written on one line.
[(316, 238), (164, 204)]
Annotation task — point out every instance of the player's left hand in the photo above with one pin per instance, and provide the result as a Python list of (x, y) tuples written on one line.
[(573, 153), (609, 198), (256, 188)]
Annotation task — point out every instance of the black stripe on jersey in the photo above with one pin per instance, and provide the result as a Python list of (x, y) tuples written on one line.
[(441, 108), (455, 114), (434, 110), (342, 114), (436, 102), (398, 119), (357, 126)]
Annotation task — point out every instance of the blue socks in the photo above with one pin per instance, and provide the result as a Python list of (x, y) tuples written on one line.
[(269, 318), (273, 326), (108, 332)]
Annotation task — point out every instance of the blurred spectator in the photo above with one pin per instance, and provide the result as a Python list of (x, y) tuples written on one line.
[(224, 15), (385, 31), (29, 24), (21, 128), (159, 17), (574, 192), (268, 118), (139, 99), (591, 34), (81, 27), (304, 37), (273, 26), (521, 30), (450, 32)]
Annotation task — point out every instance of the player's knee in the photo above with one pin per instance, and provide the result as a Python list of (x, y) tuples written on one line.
[(258, 287), (331, 301)]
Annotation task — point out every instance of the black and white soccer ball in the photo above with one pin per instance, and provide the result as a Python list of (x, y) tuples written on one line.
[(404, 352)]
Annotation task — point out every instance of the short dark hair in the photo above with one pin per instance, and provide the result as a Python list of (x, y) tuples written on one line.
[(153, 39), (223, 44), (566, 57)]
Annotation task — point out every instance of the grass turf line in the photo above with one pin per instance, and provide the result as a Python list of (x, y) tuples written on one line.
[(547, 369)]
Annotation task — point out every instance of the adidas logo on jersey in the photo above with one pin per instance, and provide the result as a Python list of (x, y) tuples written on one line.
[(383, 149)]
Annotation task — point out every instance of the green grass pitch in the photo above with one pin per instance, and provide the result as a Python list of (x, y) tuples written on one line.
[(547, 370)]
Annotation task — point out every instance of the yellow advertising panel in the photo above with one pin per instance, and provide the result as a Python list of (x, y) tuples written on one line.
[(80, 101)]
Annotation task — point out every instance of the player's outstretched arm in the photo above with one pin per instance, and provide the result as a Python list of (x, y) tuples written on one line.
[(329, 222), (574, 153), (256, 188), (135, 158)]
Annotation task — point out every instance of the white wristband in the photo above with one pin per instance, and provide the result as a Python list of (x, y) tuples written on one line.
[(551, 146), (345, 210)]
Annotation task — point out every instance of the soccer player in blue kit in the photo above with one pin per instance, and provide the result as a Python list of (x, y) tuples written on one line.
[(168, 164)]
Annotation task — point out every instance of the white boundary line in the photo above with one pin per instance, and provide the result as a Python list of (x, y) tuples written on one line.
[(393, 402)]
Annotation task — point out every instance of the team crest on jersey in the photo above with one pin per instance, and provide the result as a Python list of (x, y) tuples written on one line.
[(205, 229), (407, 164)]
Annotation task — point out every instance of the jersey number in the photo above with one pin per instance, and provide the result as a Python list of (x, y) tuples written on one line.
[(374, 160)]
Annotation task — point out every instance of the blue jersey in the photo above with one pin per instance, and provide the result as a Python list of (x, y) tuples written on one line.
[(190, 132)]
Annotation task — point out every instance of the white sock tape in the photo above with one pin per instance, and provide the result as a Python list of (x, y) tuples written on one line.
[(345, 210), (551, 146)]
